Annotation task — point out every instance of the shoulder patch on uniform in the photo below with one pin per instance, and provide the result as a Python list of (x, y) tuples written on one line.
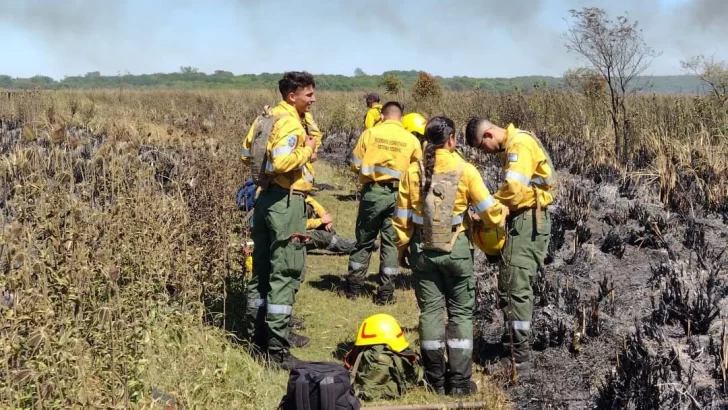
[(513, 157), (292, 139)]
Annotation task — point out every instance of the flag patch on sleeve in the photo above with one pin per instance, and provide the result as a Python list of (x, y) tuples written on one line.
[(512, 157)]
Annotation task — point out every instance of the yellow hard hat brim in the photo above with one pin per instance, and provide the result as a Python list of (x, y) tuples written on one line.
[(398, 344)]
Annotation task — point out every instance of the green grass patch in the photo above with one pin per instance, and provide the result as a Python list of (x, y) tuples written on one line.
[(200, 367)]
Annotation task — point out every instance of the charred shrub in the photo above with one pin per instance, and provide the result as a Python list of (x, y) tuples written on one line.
[(576, 207), (613, 243), (653, 229), (543, 291), (719, 351), (583, 234), (603, 173), (486, 294), (646, 376), (550, 330), (694, 235), (613, 219), (688, 298), (628, 187), (558, 231)]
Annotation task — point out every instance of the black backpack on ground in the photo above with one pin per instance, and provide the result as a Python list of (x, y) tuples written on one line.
[(319, 386)]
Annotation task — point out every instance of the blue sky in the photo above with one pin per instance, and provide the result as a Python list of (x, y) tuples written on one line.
[(485, 38)]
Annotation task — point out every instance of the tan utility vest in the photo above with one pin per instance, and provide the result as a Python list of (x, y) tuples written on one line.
[(438, 205), (258, 150)]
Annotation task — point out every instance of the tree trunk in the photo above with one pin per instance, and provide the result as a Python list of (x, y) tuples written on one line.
[(627, 148), (615, 116)]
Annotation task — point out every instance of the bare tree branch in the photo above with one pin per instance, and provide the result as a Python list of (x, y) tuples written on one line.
[(617, 50)]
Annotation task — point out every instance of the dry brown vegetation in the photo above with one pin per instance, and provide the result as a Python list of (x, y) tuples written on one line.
[(120, 250)]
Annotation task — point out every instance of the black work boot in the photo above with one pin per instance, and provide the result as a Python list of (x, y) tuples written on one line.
[(524, 368), (352, 290), (297, 340), (385, 296), (283, 359), (297, 323), (463, 390), (439, 390)]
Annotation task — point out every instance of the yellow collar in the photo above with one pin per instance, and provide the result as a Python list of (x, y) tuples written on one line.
[(290, 109), (395, 122), (511, 130)]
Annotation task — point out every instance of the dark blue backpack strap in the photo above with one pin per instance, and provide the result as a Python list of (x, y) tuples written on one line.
[(302, 393), (327, 393)]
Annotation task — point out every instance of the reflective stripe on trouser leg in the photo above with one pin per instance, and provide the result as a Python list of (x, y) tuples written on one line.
[(258, 285), (388, 263), (286, 267), (431, 302), (523, 253), (343, 245), (461, 292)]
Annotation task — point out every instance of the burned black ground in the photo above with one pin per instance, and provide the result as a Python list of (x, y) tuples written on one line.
[(629, 306)]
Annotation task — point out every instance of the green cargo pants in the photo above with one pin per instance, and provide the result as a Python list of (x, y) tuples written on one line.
[(445, 282), (330, 241), (278, 264), (523, 253), (376, 209)]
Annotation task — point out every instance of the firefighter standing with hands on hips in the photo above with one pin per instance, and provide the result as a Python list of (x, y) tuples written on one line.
[(432, 227), (527, 192)]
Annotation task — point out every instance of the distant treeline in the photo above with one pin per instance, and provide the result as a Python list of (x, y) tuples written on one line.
[(190, 78)]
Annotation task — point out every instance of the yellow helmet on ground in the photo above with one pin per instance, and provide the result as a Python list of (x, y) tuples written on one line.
[(488, 239), (381, 329), (415, 123)]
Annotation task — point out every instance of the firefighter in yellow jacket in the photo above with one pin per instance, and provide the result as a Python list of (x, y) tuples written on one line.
[(279, 217), (374, 111), (527, 192), (382, 154), (432, 225)]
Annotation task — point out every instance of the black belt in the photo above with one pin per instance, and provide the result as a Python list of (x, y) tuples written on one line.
[(276, 187), (386, 184)]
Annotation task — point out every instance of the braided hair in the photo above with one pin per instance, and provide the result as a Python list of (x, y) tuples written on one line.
[(437, 132)]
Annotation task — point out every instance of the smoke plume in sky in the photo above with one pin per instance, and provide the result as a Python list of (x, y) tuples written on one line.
[(486, 38)]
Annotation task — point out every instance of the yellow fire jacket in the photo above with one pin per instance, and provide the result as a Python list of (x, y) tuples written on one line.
[(383, 153), (471, 192), (373, 116), (318, 209), (285, 149), (527, 171)]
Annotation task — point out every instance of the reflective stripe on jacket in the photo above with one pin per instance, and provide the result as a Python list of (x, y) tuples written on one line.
[(525, 166), (383, 153), (285, 149)]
